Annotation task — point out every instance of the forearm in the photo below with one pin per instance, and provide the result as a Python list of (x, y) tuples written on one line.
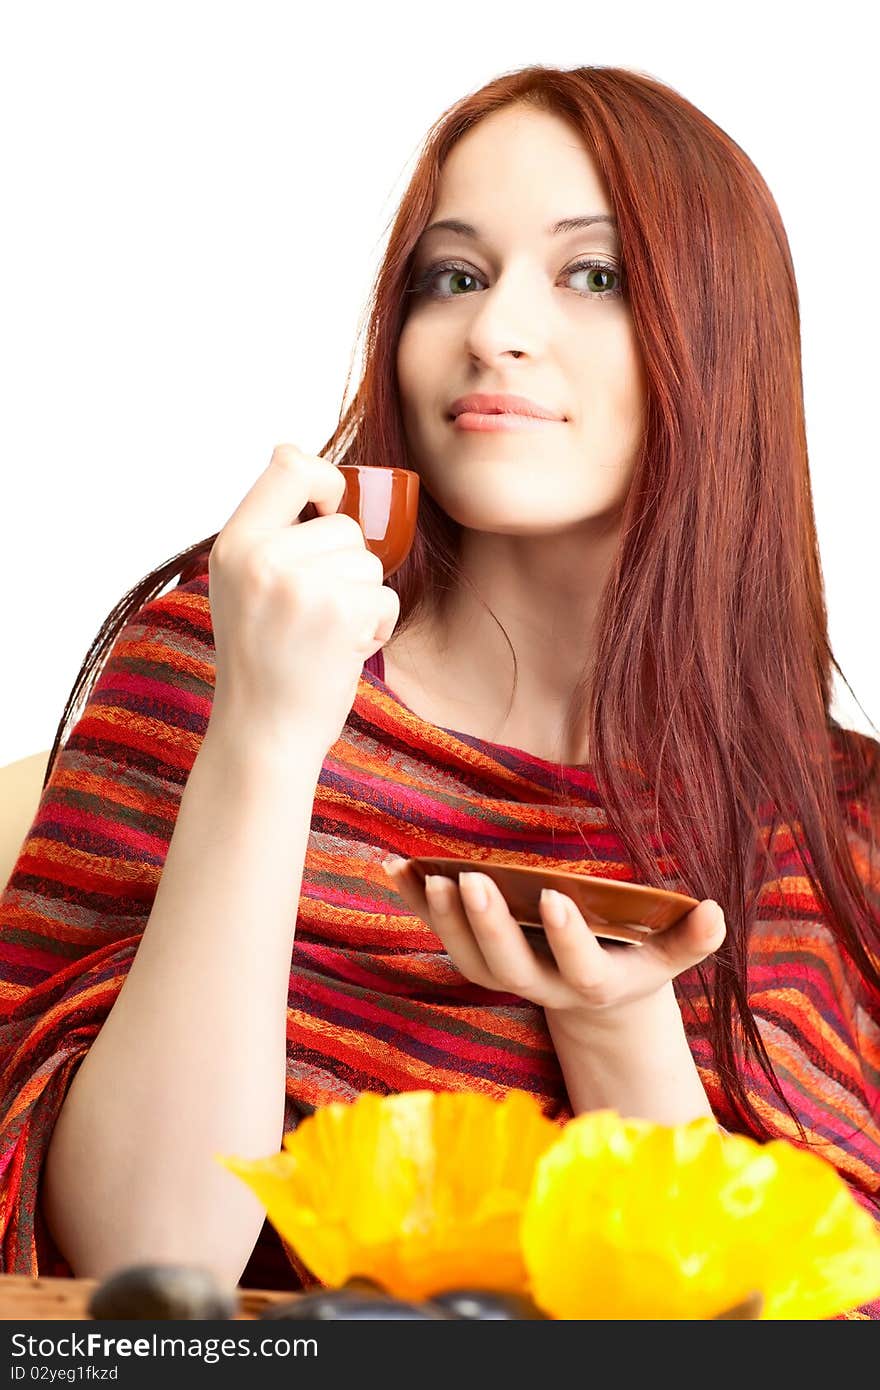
[(191, 1060), (638, 1064)]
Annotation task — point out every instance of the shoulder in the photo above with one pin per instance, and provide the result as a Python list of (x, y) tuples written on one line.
[(855, 762), (184, 609), (150, 699), (856, 768), (855, 765)]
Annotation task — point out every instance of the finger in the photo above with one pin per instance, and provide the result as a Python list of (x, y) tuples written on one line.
[(700, 932), (578, 953), (279, 494), (443, 912), (326, 557), (325, 535), (600, 972), (509, 957)]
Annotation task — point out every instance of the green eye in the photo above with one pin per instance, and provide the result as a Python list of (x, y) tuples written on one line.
[(601, 272), (598, 277), (464, 274)]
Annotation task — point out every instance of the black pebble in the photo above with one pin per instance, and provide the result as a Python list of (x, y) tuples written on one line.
[(359, 1299), (162, 1291), (484, 1303)]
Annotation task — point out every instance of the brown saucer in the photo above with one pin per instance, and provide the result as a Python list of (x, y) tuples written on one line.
[(629, 912)]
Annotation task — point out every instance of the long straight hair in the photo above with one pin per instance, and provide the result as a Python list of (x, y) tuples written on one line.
[(711, 678)]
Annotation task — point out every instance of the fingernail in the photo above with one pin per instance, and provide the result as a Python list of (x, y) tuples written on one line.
[(554, 907), (719, 923), (392, 864), (476, 890), (438, 887)]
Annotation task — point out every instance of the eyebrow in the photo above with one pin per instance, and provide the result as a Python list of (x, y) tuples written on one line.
[(567, 224)]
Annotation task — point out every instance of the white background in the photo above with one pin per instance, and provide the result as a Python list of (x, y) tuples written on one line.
[(196, 196)]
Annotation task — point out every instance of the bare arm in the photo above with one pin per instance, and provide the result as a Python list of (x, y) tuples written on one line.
[(191, 1059)]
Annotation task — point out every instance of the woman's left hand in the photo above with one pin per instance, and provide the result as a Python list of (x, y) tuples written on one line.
[(579, 974)]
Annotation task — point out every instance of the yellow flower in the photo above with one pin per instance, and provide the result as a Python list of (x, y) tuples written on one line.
[(421, 1190), (635, 1220)]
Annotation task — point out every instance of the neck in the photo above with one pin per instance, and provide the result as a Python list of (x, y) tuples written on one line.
[(545, 595)]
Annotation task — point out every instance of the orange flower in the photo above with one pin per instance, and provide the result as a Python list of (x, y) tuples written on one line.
[(421, 1191), (635, 1220)]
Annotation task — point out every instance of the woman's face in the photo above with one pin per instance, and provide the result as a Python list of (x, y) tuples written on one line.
[(517, 317)]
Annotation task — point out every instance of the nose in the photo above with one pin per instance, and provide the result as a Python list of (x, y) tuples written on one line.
[(505, 313)]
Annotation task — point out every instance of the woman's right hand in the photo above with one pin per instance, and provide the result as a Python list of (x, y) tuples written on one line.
[(296, 606)]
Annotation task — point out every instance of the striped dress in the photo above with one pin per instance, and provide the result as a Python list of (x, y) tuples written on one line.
[(374, 1002)]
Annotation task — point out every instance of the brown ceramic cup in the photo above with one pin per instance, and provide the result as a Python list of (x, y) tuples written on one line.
[(385, 504)]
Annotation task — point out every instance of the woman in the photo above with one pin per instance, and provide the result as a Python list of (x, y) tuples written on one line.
[(643, 565)]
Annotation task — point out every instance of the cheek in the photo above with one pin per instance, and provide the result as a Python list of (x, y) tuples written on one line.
[(634, 382), (613, 388), (424, 385), (416, 363)]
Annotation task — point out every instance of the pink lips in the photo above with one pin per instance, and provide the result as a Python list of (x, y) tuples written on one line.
[(468, 420), (500, 412)]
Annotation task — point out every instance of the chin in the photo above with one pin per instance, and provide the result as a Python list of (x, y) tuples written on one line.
[(503, 521)]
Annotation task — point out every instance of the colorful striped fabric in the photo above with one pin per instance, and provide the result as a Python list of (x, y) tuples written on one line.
[(375, 1003)]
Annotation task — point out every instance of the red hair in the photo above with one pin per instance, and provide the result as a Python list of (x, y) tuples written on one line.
[(712, 677)]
